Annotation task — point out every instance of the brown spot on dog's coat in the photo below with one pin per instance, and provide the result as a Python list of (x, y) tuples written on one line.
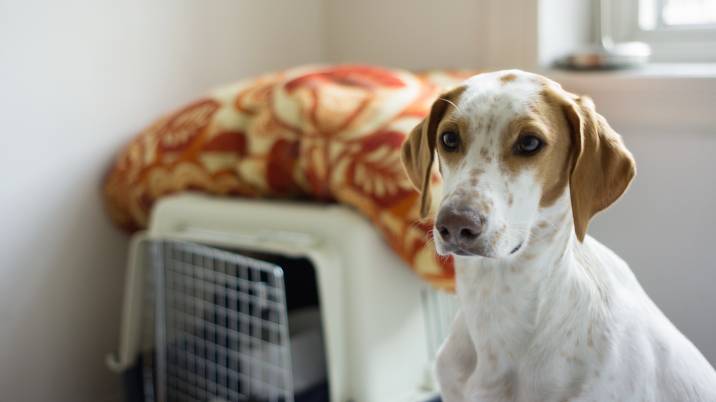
[(529, 256), (507, 78), (486, 207), (477, 172), (492, 357)]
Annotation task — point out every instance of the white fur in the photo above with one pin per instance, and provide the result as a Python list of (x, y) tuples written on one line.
[(559, 320)]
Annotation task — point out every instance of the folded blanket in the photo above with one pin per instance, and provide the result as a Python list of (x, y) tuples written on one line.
[(330, 134)]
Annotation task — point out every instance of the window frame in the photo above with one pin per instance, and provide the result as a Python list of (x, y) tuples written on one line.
[(680, 43)]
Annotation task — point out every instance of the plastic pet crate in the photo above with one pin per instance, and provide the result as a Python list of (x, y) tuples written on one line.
[(235, 300)]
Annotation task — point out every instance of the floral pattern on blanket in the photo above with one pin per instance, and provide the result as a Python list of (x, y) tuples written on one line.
[(330, 134)]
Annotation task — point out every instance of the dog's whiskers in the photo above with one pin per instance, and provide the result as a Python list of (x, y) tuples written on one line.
[(450, 102)]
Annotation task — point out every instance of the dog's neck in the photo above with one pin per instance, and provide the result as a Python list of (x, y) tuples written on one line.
[(509, 303), (550, 249)]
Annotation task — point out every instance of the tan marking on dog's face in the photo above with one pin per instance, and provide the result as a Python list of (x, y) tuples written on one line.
[(497, 235), (485, 154), (451, 122), (486, 207), (547, 122)]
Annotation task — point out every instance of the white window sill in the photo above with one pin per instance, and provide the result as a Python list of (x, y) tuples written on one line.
[(699, 71), (661, 97)]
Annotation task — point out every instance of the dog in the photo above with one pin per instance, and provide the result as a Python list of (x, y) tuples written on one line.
[(547, 313)]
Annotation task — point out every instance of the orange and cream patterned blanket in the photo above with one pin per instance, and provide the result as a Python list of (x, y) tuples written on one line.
[(329, 134)]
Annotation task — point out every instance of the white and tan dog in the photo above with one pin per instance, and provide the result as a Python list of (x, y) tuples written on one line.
[(547, 313)]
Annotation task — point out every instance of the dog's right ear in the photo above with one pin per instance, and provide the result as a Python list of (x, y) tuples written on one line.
[(602, 167), (418, 152)]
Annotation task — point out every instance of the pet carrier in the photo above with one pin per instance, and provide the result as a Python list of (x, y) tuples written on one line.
[(239, 300)]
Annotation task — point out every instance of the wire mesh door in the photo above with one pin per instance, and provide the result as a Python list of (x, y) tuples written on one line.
[(220, 327)]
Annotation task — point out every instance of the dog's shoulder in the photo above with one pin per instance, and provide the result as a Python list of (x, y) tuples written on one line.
[(605, 265), (647, 336)]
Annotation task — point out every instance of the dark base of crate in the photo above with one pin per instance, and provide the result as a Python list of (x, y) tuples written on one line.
[(133, 383), (133, 388)]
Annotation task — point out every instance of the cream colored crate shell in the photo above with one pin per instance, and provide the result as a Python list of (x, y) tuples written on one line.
[(382, 325)]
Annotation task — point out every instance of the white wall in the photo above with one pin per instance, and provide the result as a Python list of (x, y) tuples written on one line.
[(77, 79), (416, 34)]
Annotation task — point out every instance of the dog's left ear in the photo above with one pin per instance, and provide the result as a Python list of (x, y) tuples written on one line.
[(602, 167)]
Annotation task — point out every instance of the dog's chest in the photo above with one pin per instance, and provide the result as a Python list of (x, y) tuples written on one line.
[(499, 313), (501, 309)]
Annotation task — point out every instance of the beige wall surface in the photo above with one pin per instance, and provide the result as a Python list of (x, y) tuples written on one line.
[(405, 33)]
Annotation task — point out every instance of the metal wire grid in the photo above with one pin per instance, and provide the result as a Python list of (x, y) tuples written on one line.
[(221, 328), (439, 310)]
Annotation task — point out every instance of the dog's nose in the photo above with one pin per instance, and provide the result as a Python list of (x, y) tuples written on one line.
[(461, 227)]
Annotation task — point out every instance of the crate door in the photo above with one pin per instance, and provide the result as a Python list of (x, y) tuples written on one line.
[(220, 326)]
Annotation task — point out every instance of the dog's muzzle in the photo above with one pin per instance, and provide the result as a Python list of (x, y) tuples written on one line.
[(460, 230)]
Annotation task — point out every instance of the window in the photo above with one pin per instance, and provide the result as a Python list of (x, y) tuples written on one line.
[(677, 30), (664, 14)]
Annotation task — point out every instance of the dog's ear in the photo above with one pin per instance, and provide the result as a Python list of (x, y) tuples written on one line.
[(418, 152), (601, 168)]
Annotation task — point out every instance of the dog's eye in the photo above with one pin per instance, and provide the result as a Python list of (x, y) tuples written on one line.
[(528, 145), (450, 141)]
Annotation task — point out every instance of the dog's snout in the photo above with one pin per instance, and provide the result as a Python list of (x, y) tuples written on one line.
[(459, 227)]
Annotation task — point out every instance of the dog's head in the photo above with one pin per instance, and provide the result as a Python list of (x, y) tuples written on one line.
[(512, 146)]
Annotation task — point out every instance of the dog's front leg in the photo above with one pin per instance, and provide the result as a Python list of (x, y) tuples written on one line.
[(455, 362)]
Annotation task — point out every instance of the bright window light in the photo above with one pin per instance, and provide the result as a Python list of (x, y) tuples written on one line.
[(676, 13)]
